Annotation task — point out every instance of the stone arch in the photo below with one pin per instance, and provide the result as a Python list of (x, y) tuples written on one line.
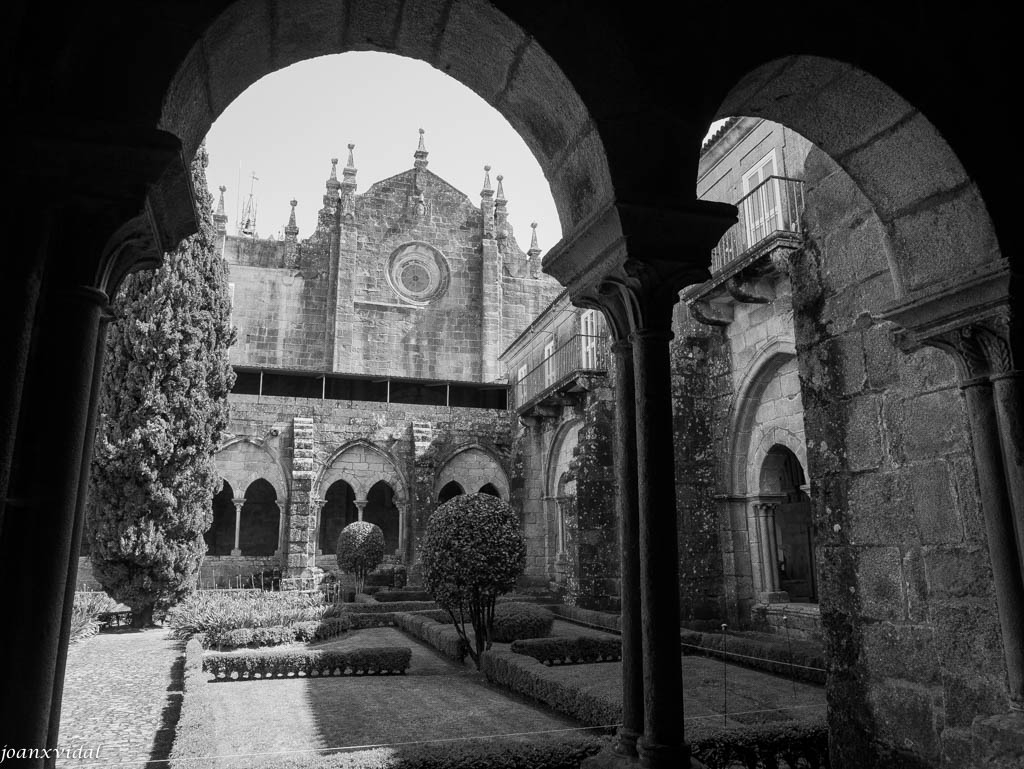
[(382, 511), (472, 466), (252, 38), (220, 537), (560, 454), (242, 460), (760, 372), (449, 491), (936, 222), (765, 440), (489, 488), (361, 464), (260, 522), (337, 511)]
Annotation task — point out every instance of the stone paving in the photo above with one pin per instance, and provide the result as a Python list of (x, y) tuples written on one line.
[(122, 693)]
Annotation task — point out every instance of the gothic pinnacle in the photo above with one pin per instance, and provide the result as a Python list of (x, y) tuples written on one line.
[(350, 170), (487, 192), (333, 182), (421, 153), (534, 248), (500, 197), (292, 227)]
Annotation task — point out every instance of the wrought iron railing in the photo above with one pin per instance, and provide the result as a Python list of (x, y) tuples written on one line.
[(775, 205), (577, 354)]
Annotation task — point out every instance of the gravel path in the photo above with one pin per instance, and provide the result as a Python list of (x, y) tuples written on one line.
[(122, 694)]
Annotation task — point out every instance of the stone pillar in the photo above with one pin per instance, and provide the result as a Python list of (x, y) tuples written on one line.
[(361, 506), (402, 507), (629, 538), (316, 506), (239, 503), (301, 554), (43, 510), (283, 506), (999, 525), (768, 549), (638, 306), (662, 744), (1008, 395)]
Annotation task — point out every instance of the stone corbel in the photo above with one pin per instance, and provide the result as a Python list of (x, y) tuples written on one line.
[(711, 313)]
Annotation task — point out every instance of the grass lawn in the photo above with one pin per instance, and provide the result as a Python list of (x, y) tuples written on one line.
[(439, 699), (435, 699)]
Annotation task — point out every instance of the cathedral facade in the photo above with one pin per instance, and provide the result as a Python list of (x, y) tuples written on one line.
[(367, 360)]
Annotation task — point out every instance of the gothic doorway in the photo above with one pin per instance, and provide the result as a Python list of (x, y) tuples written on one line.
[(789, 549)]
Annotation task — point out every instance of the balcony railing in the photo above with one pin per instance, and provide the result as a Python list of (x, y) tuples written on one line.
[(578, 354), (775, 205)]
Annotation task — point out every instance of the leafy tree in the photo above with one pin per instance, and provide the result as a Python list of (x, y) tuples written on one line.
[(360, 550), (164, 406), (473, 552)]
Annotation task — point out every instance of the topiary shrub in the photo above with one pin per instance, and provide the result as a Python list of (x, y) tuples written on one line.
[(513, 621), (473, 552), (360, 550)]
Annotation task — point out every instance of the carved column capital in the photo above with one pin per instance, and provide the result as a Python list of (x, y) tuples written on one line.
[(638, 295), (987, 347)]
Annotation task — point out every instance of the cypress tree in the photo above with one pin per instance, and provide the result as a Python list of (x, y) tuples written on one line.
[(163, 409)]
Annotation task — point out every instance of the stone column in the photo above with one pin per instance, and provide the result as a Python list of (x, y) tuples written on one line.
[(629, 539), (361, 506), (662, 744), (984, 353), (638, 305), (402, 507), (281, 526), (316, 504), (239, 503), (43, 512)]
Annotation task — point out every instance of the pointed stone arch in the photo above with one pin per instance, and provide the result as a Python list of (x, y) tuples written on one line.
[(360, 463), (242, 460), (472, 466)]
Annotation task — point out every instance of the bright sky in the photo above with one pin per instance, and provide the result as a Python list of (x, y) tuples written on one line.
[(286, 127)]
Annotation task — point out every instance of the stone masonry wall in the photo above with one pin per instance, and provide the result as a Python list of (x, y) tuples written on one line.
[(907, 605), (407, 446), (699, 364)]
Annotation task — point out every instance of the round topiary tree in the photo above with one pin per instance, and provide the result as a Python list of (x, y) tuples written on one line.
[(473, 552), (360, 550)]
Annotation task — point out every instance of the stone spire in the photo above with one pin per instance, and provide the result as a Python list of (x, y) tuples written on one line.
[(349, 173), (332, 182), (500, 212), (420, 154), (487, 204), (220, 219), (291, 228), (291, 240), (534, 251), (487, 193)]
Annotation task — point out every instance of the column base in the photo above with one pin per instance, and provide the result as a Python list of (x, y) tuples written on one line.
[(625, 742), (235, 551)]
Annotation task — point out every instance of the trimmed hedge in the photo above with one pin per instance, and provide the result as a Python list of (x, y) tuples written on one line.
[(808, 662), (598, 619), (563, 651), (255, 638), (500, 753), (513, 621), (310, 663), (386, 606), (403, 595), (443, 637), (762, 746), (195, 734), (526, 676)]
